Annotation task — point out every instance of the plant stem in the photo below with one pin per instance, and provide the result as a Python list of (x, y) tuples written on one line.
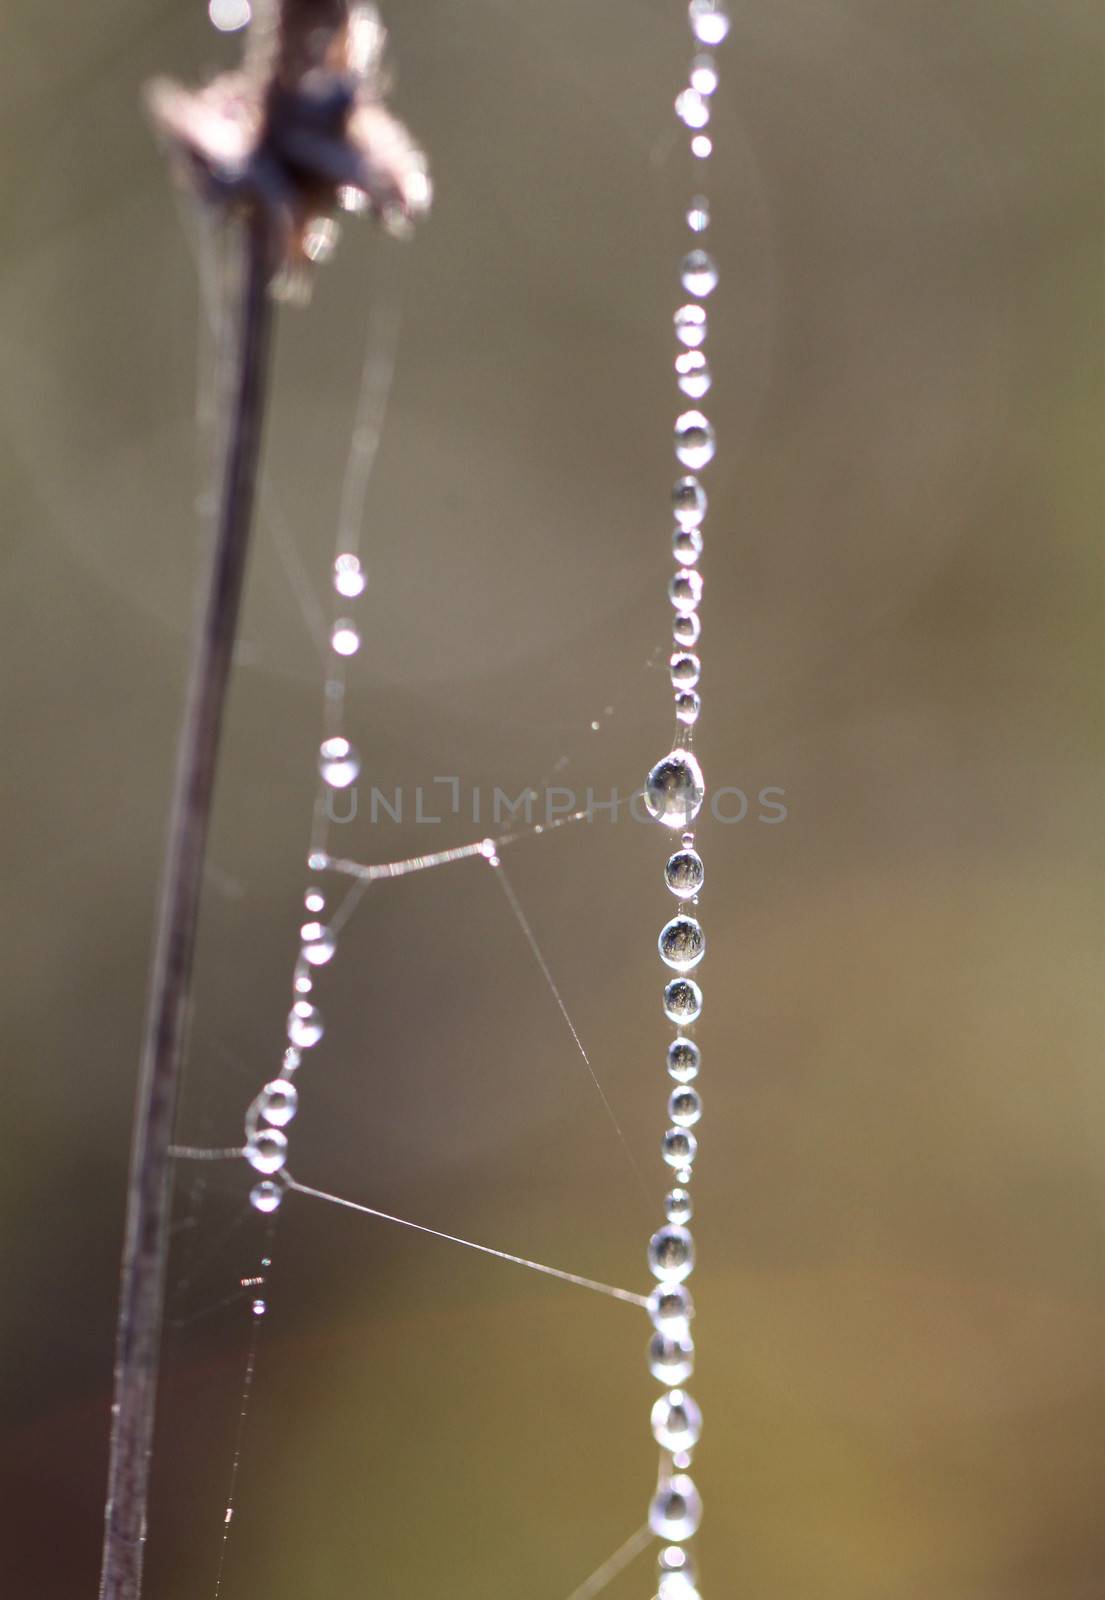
[(149, 1187)]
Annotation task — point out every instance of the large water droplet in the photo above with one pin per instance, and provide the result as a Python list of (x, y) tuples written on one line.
[(305, 1025), (684, 873), (338, 762), (671, 1359), (691, 109), (698, 214), (676, 1421), (676, 1566), (685, 589), (678, 1206), (684, 1107), (686, 629), (319, 943), (671, 1254), (344, 637), (699, 275), (704, 74), (671, 1308), (687, 707), (682, 1001), (684, 1060), (682, 943), (266, 1196), (690, 326), (267, 1150), (675, 789), (688, 500), (709, 20), (686, 546), (676, 1509), (694, 440), (692, 374), (686, 669), (679, 1148), (278, 1102), (349, 578)]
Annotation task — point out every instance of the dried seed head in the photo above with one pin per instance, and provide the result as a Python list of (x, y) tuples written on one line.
[(301, 130)]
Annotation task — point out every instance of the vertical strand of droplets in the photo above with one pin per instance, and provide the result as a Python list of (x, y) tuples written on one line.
[(275, 1106), (675, 791)]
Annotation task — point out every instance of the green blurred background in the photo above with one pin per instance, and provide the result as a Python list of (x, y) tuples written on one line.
[(901, 1298)]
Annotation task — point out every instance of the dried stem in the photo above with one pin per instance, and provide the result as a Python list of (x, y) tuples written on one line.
[(149, 1189)]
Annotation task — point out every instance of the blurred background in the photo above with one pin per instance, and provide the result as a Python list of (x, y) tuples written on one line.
[(901, 1296)]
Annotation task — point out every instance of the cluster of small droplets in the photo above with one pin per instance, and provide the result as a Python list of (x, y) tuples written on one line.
[(674, 795), (275, 1106)]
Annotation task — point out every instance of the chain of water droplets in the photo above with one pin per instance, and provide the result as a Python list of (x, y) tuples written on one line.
[(674, 794), (274, 1107)]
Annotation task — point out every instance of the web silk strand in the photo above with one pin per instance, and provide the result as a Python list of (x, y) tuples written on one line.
[(625, 1295)]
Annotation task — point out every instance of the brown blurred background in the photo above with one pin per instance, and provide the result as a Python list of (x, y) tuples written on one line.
[(900, 1197)]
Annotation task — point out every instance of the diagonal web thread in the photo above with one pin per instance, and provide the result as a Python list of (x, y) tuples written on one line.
[(531, 940), (485, 1249), (614, 1564)]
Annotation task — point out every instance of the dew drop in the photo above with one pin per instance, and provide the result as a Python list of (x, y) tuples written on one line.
[(344, 637), (684, 1107), (699, 275), (675, 789), (314, 900), (685, 589), (690, 326), (698, 216), (687, 707), (319, 943), (682, 1001), (676, 1421), (682, 943), (701, 146), (267, 1150), (305, 1025), (671, 1359), (676, 1509), (685, 873), (676, 1584), (259, 1308), (691, 109), (684, 1060), (692, 374), (352, 200), (320, 239), (685, 670), (694, 440), (349, 577), (671, 1254), (278, 1102), (266, 1197), (676, 1566), (229, 15), (671, 1308), (338, 762), (686, 546), (686, 629), (292, 1058), (678, 1207), (689, 503), (704, 74), (679, 1148), (709, 21)]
